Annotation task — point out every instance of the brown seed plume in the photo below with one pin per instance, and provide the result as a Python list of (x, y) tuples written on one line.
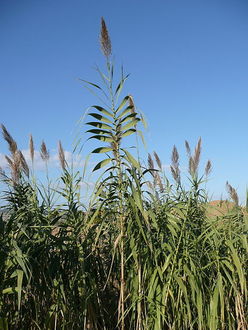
[(16, 167), (175, 157), (159, 182), (195, 159), (158, 161), (105, 39), (197, 154), (150, 162), (8, 138), (62, 156), (9, 161), (24, 164), (31, 147), (232, 193), (175, 173), (191, 166), (175, 165), (188, 148), (44, 152), (208, 168)]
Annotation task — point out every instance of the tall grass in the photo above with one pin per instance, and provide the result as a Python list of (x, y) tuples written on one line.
[(145, 254)]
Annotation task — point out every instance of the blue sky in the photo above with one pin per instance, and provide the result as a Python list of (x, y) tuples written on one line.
[(188, 62)]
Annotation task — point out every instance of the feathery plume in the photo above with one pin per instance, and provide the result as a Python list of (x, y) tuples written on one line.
[(24, 164), (62, 156), (150, 162), (159, 182), (175, 173), (188, 148), (8, 138), (31, 147), (192, 167), (157, 160), (9, 161), (175, 157), (15, 166), (43, 152), (232, 193), (175, 165), (197, 154), (208, 168), (105, 39)]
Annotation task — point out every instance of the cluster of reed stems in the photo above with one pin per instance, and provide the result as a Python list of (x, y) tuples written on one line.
[(145, 253)]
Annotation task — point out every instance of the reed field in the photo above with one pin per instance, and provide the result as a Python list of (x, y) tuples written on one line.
[(144, 253)]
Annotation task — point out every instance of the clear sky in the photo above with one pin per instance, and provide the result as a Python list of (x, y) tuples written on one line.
[(188, 62)]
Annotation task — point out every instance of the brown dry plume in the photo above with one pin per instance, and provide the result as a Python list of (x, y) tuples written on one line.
[(8, 138), (175, 165), (24, 164), (105, 39), (232, 193), (31, 147), (188, 148), (197, 154), (159, 182), (150, 162), (44, 152), (208, 168), (175, 157), (62, 156), (175, 173), (195, 159), (157, 160)]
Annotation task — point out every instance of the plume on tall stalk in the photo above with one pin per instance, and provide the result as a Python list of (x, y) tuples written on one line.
[(112, 123)]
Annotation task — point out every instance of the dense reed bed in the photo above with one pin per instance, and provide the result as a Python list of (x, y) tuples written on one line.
[(146, 253)]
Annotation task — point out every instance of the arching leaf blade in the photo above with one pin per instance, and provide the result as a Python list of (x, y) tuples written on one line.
[(131, 159), (101, 150), (103, 110), (100, 117), (127, 110), (129, 132), (129, 117), (99, 124), (97, 131), (123, 102), (102, 164), (130, 124), (102, 138)]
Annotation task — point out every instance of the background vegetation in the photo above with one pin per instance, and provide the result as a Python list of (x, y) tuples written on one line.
[(146, 253)]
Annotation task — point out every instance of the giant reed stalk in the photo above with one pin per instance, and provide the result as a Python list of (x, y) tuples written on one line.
[(135, 258)]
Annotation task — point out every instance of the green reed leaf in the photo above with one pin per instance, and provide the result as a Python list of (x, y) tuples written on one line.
[(131, 159), (124, 101), (102, 164), (103, 110), (100, 117), (97, 131), (129, 117), (101, 150), (128, 132), (102, 138), (99, 124), (130, 124), (125, 111)]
